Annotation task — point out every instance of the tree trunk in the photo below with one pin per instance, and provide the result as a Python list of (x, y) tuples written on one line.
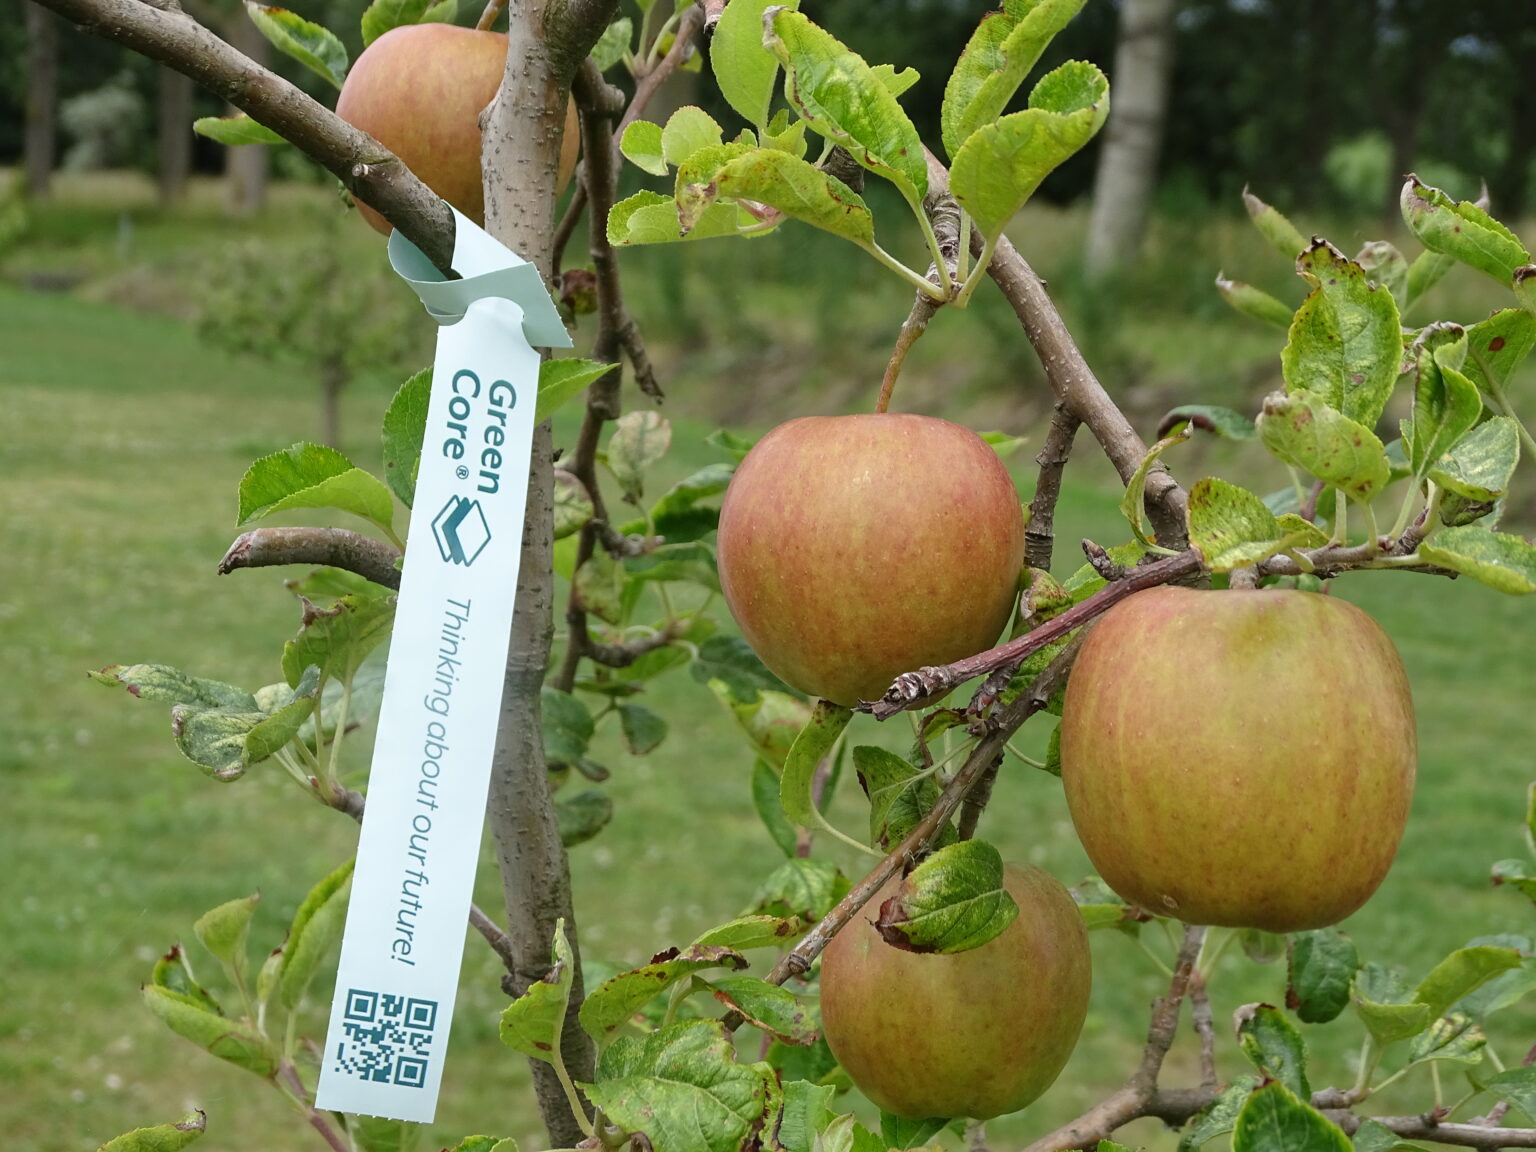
[(1127, 174), (333, 381), (174, 135), (42, 100), (246, 166)]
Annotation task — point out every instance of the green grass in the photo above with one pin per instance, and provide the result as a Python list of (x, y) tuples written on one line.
[(124, 441)]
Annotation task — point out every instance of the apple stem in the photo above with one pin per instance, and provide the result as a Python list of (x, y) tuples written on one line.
[(912, 329)]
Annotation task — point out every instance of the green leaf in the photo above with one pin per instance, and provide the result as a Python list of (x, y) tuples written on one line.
[(677, 517), (582, 816), (382, 15), (797, 783), (730, 659), (339, 638), (599, 586), (1461, 972), (566, 724), (232, 1040), (162, 682), (899, 796), (1517, 1086), (765, 802), (162, 1137), (1517, 875), (1525, 287), (746, 932), (1304, 430), (807, 1106), (953, 901), (405, 427), (1231, 527), (1455, 1038), (639, 441), (573, 504), (1345, 344), (800, 887), (1386, 267), (443, 12), (561, 380), (1385, 1007), (1424, 273), (1479, 465), (1322, 966), (770, 720), (1446, 404), (1132, 503), (315, 930), (682, 1087), (1374, 1136), (1497, 559), (224, 742), (1262, 947), (996, 59), (1462, 230), (532, 1023), (235, 131), (1274, 1120), (312, 476), (998, 169), (1219, 1116), (1254, 302), (613, 43), (643, 729), (485, 1144), (694, 563), (845, 101), (641, 145), (315, 47), (688, 130), (1497, 346), (745, 71), (786, 183), (611, 1004), (900, 1132), (1274, 1046), (651, 218), (1273, 225), (223, 930), (767, 1007), (1223, 423)]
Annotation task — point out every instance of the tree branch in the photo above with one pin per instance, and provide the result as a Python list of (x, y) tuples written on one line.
[(367, 169), (989, 749), (335, 547), (1040, 533)]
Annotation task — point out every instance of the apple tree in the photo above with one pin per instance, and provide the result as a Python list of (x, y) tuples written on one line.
[(909, 519)]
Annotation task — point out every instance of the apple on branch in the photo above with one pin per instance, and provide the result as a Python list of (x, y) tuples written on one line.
[(979, 1033), (1239, 758), (419, 90), (855, 548)]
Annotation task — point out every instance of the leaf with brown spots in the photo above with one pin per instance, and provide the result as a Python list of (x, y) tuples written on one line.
[(611, 1004), (532, 1023), (1304, 430)]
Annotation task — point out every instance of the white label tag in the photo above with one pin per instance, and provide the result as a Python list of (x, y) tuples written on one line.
[(404, 938)]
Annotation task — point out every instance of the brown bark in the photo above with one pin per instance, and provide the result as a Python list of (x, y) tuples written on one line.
[(174, 135), (40, 142)]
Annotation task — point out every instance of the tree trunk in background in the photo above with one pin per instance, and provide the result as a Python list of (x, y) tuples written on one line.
[(1127, 174), (1511, 185), (42, 100), (246, 166), (174, 135)]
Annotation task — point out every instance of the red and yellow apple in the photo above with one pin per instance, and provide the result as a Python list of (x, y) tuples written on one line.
[(1241, 758), (978, 1033), (419, 90), (855, 548)]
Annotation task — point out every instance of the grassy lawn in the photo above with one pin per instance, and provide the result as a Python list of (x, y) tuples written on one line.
[(124, 439)]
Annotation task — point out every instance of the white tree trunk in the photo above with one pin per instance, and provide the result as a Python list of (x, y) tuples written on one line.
[(1123, 186)]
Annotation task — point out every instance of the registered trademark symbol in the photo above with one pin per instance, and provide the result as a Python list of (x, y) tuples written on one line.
[(461, 472)]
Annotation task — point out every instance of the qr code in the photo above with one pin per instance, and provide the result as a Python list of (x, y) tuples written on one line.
[(385, 1038)]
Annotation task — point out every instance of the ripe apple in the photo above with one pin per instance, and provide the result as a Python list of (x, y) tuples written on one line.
[(855, 548), (1242, 758), (978, 1033), (419, 90)]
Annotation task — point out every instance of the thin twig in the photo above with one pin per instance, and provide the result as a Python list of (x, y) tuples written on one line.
[(646, 86), (975, 802), (335, 547), (1040, 534), (488, 18), (1200, 1014), (988, 750), (915, 325)]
